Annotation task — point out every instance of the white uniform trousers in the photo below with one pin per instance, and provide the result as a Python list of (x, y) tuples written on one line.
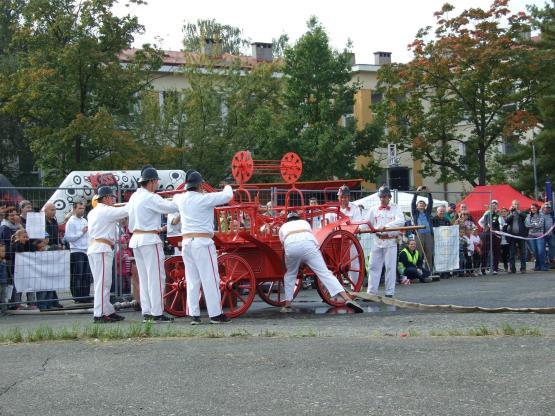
[(152, 277), (101, 268), (379, 256), (201, 270), (307, 252)]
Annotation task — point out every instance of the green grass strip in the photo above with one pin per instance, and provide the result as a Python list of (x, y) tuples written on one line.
[(148, 330)]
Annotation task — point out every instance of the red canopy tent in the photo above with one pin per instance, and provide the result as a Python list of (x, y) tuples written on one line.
[(479, 199)]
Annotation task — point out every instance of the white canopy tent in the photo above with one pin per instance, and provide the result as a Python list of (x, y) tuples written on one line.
[(403, 199)]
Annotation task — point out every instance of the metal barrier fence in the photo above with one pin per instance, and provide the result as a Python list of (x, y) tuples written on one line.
[(48, 273), (44, 273)]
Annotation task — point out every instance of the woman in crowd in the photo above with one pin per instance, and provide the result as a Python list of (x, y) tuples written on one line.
[(504, 241), (534, 222)]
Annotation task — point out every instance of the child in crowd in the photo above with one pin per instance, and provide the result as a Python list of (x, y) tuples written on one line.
[(477, 254), (123, 263), (4, 295), (463, 249), (469, 254), (41, 245), (22, 244)]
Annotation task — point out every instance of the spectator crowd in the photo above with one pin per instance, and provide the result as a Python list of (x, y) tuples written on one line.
[(504, 236)]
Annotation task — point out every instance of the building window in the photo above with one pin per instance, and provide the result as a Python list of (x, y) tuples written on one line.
[(375, 98), (399, 178), (462, 149), (348, 121)]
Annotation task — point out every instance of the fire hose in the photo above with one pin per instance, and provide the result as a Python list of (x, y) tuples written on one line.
[(439, 308), (445, 308)]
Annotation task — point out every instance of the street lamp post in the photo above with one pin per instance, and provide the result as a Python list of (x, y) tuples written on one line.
[(535, 170)]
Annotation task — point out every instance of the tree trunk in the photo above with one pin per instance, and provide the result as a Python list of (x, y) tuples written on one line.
[(483, 170), (78, 150)]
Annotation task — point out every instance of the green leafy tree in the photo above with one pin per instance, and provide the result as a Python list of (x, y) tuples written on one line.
[(318, 95), (70, 91), (471, 84), (226, 38), (17, 159), (544, 140)]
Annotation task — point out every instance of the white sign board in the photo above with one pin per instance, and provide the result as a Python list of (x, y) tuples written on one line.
[(446, 248), (36, 225), (42, 270)]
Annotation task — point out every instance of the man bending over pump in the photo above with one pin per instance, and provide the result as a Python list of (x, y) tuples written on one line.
[(300, 246)]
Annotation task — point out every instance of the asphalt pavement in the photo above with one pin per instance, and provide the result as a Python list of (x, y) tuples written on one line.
[(318, 360)]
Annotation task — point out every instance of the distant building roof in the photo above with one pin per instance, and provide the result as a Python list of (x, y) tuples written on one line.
[(180, 58)]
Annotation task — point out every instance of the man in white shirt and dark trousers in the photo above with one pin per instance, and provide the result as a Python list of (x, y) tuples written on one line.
[(384, 247), (196, 209), (300, 247), (76, 234), (102, 236), (145, 221)]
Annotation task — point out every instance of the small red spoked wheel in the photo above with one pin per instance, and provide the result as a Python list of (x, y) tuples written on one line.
[(291, 167), (175, 290), (273, 292), (242, 166), (344, 257), (237, 284)]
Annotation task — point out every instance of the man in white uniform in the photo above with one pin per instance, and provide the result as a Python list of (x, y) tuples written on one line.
[(196, 209), (145, 221), (300, 247), (352, 211), (346, 207), (76, 234), (102, 234), (384, 246)]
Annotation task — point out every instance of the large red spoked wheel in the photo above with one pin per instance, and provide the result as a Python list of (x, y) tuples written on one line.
[(242, 166), (273, 292), (175, 291), (237, 284), (291, 167), (344, 257)]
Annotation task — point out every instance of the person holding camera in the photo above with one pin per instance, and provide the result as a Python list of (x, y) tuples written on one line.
[(491, 221), (514, 225), (422, 215)]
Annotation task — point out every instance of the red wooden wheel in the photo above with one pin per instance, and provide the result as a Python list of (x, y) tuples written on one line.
[(175, 290), (273, 292), (291, 167), (242, 166), (237, 284), (344, 257)]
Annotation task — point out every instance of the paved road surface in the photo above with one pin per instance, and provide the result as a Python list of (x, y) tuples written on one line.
[(317, 361)]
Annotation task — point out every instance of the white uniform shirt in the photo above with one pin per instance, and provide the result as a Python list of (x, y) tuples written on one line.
[(102, 224), (174, 229), (378, 218), (197, 209), (145, 214), (74, 235), (295, 227), (352, 211)]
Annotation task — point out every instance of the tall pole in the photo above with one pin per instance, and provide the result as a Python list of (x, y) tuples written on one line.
[(535, 171)]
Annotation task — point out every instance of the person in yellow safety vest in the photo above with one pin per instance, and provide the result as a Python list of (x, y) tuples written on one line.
[(411, 266)]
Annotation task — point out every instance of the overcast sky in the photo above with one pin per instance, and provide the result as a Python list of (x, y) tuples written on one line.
[(372, 25)]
